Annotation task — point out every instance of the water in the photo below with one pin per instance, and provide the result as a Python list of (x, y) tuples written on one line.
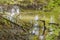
[(43, 28), (11, 15), (36, 17), (36, 24), (35, 29), (52, 19), (16, 9), (51, 31), (41, 37), (13, 12)]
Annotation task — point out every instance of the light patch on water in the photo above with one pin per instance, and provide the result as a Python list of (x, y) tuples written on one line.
[(35, 31), (41, 37), (13, 12), (43, 28), (51, 31), (52, 19), (16, 9), (35, 27), (9, 17), (36, 24), (36, 17)]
